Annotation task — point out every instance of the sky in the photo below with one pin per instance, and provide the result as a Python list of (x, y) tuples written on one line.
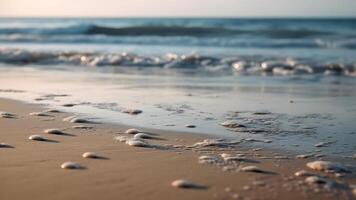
[(180, 8)]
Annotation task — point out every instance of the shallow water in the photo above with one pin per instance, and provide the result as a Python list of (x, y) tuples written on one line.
[(298, 75)]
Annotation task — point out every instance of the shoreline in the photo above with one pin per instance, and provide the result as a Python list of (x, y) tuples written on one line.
[(33, 167)]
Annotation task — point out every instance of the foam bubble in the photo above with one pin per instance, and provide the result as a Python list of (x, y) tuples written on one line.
[(252, 169), (137, 143), (142, 136), (304, 173)]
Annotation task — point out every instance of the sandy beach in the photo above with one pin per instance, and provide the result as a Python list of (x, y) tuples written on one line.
[(31, 168)]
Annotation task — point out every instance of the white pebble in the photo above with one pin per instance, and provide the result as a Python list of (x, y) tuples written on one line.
[(74, 119), (71, 165), (132, 131), (303, 173), (37, 138), (251, 169), (137, 143), (90, 155), (315, 180), (4, 145), (54, 131), (181, 183), (142, 136), (326, 166)]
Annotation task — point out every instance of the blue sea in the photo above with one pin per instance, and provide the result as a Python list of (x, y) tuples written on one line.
[(300, 73)]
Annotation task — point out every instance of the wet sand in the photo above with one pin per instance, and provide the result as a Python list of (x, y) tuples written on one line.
[(32, 169)]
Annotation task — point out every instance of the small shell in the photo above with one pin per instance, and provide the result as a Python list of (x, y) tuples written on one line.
[(132, 131), (71, 165), (54, 131), (181, 183), (37, 138), (90, 155)]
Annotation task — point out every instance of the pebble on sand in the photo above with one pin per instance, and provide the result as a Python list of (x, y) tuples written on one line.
[(137, 143), (252, 169), (69, 105), (190, 126), (232, 124), (54, 131), (327, 166), (37, 138), (74, 119), (90, 155), (4, 145), (304, 173), (181, 183), (71, 165), (315, 180), (132, 131), (142, 136)]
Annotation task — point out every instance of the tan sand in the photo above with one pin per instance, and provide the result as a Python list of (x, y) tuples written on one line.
[(32, 169)]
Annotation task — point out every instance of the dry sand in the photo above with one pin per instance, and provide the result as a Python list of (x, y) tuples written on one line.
[(32, 169)]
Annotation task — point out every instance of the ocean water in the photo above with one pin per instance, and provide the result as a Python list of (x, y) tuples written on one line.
[(291, 81)]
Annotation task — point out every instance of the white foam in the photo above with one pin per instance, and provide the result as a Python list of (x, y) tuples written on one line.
[(232, 124), (121, 138), (71, 165), (207, 159)]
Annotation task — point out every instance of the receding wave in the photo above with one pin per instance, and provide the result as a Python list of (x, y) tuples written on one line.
[(260, 65), (165, 31)]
